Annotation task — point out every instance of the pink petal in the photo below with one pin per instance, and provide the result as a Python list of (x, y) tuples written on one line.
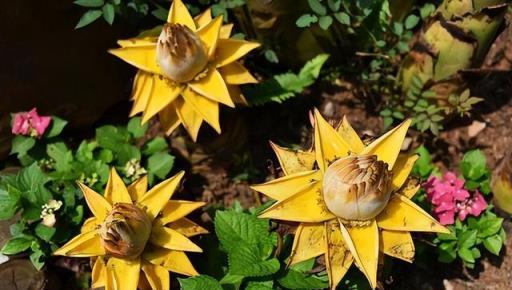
[(446, 218)]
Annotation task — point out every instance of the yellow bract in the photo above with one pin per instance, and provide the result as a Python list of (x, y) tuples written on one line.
[(165, 250), (194, 101), (320, 232)]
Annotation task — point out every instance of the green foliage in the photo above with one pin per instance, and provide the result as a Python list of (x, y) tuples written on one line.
[(474, 169), (252, 262), (285, 86), (466, 239), (49, 173)]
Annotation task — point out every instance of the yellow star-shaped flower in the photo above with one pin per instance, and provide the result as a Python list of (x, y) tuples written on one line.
[(349, 198), (136, 236), (187, 71)]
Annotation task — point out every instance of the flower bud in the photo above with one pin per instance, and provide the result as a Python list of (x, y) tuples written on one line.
[(180, 53), (357, 188), (125, 231)]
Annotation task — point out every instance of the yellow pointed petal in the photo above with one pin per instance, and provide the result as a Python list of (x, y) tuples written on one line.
[(90, 224), (236, 95), (143, 86), (122, 274), (284, 187), (230, 50), (188, 117), (162, 94), (236, 74), (309, 242), (170, 239), (169, 119), (403, 166), (187, 228), (397, 244), (119, 190), (328, 143), (206, 108), (176, 209), (138, 188), (209, 34), (157, 276), (155, 199), (175, 261), (410, 189), (213, 87), (401, 214), (83, 245), (142, 57), (293, 161), (387, 146), (225, 30), (98, 205), (363, 242), (350, 136), (99, 273), (146, 41), (338, 258), (204, 18), (305, 206), (178, 14)]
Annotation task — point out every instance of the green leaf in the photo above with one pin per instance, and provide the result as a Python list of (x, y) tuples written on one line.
[(489, 226), (411, 21), (90, 3), (473, 165), (160, 13), (312, 68), (466, 255), (426, 10), (271, 56), (160, 164), (398, 28), (325, 22), (31, 181), (247, 261), (44, 232), (17, 245), (37, 259), (334, 5), (109, 13), (342, 18), (106, 155), (134, 126), (56, 127), (199, 283), (493, 244), (21, 145), (317, 7), (155, 145), (9, 202), (253, 285), (306, 20), (297, 278), (467, 239), (62, 156), (111, 137), (88, 17)]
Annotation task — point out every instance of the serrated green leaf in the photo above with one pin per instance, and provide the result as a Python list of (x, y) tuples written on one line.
[(31, 181), (160, 164), (246, 260), (44, 232), (88, 17), (199, 283), (135, 128), (61, 155), (9, 202), (154, 145), (17, 245), (21, 145), (56, 127)]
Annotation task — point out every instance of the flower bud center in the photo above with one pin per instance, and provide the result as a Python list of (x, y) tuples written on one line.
[(357, 188), (180, 53), (125, 231)]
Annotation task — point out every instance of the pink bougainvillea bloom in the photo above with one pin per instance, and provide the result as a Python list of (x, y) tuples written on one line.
[(450, 199), (30, 123)]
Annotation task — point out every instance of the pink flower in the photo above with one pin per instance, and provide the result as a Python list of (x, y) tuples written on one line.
[(30, 123), (450, 199)]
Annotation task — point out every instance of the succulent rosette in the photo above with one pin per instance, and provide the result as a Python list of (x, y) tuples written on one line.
[(349, 198), (186, 72), (136, 236)]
